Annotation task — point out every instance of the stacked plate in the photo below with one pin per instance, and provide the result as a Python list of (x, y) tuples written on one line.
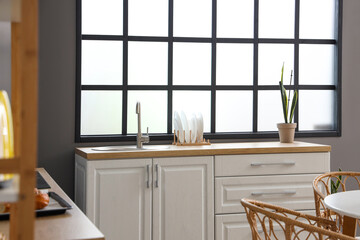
[(188, 129)]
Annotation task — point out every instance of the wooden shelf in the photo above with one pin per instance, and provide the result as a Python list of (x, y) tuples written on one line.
[(9, 165), (11, 193)]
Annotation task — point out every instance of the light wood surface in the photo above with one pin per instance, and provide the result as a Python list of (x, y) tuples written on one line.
[(347, 204), (24, 100), (213, 149), (71, 225)]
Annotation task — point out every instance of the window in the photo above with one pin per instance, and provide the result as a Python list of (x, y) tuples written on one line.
[(220, 57)]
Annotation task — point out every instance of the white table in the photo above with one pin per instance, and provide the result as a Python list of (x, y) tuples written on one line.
[(346, 204)]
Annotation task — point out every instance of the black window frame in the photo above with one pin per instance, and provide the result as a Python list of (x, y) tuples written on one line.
[(170, 39)]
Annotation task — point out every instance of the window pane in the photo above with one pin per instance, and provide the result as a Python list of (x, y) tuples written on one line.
[(234, 111), (148, 18), (235, 18), (192, 18), (270, 110), (193, 102), (147, 63), (234, 64), (316, 64), (316, 110), (271, 59), (317, 19), (153, 111), (101, 62), (101, 112), (102, 19), (276, 18), (192, 64)]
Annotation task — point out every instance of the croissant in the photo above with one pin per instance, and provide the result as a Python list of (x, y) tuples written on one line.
[(41, 199)]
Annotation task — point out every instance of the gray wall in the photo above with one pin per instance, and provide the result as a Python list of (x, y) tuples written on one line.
[(5, 56), (57, 92)]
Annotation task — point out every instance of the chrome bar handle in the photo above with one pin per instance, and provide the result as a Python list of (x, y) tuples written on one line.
[(157, 175), (256, 164), (288, 192), (148, 176)]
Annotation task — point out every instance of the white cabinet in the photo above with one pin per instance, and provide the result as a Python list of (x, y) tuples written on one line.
[(280, 179), (118, 200), (144, 199), (193, 197), (183, 201), (236, 226)]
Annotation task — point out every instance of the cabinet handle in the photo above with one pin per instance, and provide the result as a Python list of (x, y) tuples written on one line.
[(255, 164), (157, 175), (273, 193), (148, 176)]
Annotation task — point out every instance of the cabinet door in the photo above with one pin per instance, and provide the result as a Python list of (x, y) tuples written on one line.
[(236, 227), (183, 200), (120, 198)]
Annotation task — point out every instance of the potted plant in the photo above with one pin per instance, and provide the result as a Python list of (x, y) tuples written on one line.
[(287, 129)]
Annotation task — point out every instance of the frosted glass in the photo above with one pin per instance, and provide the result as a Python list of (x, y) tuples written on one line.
[(317, 19), (269, 110), (271, 59), (148, 18), (102, 18), (192, 18), (148, 63), (276, 18), (192, 64), (194, 102), (316, 64), (316, 110), (101, 112), (235, 18), (101, 62), (153, 111), (234, 111), (234, 64)]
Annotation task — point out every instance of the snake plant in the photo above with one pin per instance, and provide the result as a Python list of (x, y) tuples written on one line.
[(288, 115), (335, 186)]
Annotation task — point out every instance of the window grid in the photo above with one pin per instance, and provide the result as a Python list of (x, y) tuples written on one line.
[(213, 87)]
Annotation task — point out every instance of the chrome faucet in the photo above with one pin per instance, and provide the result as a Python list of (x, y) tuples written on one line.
[(140, 139)]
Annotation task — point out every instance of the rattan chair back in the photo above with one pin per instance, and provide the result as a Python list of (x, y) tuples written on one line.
[(324, 185), (269, 222)]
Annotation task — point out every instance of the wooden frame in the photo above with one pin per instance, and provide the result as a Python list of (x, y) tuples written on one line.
[(24, 96), (322, 188), (277, 222)]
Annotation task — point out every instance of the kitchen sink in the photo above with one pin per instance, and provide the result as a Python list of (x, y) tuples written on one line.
[(130, 148)]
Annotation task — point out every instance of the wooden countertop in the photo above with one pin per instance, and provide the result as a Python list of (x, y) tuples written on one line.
[(213, 149), (71, 225)]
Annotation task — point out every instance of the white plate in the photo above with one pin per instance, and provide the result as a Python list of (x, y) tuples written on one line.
[(200, 127), (178, 124), (185, 126), (192, 123)]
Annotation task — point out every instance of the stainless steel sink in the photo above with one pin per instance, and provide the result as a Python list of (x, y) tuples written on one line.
[(130, 148)]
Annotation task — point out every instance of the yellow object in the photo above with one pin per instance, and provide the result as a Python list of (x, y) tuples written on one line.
[(6, 131)]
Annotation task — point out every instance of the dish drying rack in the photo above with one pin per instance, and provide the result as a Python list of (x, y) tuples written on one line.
[(201, 141)]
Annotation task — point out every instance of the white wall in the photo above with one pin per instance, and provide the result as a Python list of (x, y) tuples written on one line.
[(346, 149)]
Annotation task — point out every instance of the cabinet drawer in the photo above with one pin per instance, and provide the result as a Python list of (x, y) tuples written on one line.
[(265, 164), (290, 191), (236, 226)]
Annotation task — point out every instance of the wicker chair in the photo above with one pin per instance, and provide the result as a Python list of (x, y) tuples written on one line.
[(323, 187), (268, 222)]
